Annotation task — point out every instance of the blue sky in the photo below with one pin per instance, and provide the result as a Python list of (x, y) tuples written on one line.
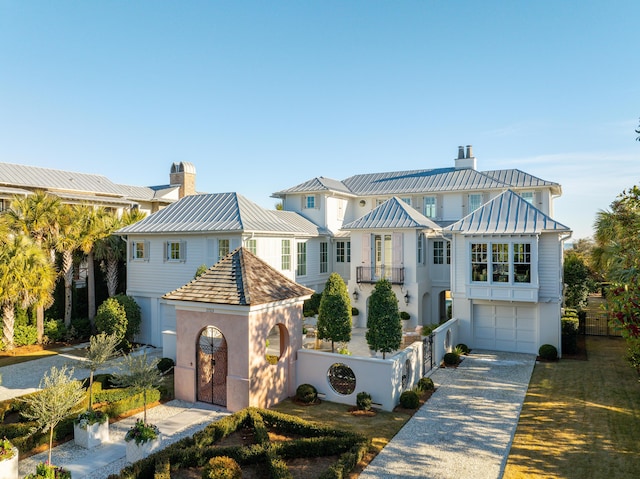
[(263, 95)]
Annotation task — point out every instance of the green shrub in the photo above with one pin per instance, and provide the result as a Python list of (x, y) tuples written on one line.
[(409, 400), (363, 401), (311, 306), (570, 326), (131, 402), (404, 315), (548, 351), (355, 311), (82, 327), (428, 329), (425, 384), (111, 318), (222, 467), (24, 335), (163, 469), (165, 364), (132, 311), (463, 347), (54, 330), (306, 393), (451, 359)]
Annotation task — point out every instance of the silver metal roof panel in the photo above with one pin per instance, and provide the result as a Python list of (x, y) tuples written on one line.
[(316, 185), (392, 214)]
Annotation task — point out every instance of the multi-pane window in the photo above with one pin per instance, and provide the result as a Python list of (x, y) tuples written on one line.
[(139, 250), (448, 252), (175, 251), (407, 200), (348, 251), (302, 259), (420, 248), (521, 262), (310, 201), (223, 248), (324, 257), (475, 202), (500, 262), (479, 266), (438, 252), (527, 196), (252, 245), (286, 255), (429, 207), (343, 251)]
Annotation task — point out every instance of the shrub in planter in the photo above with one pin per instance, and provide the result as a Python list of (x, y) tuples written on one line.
[(44, 470), (142, 439), (91, 428), (451, 359), (548, 351), (463, 347), (8, 460), (363, 401), (222, 467), (306, 393), (425, 384), (409, 400)]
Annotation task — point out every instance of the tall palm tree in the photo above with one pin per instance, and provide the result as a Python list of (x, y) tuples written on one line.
[(96, 227), (72, 223), (27, 278), (112, 249), (37, 215)]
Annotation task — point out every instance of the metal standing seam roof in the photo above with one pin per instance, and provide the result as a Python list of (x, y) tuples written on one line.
[(392, 214), (240, 278), (220, 212), (507, 213), (302, 224), (519, 179), (316, 185)]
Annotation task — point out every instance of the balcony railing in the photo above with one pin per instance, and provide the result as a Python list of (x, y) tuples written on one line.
[(371, 274)]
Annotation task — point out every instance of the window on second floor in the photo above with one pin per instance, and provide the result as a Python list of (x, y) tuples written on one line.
[(175, 251), (324, 257), (302, 259), (429, 207), (420, 252), (528, 196), (510, 262), (252, 245), (310, 201), (223, 248), (343, 251), (438, 252), (407, 200), (475, 202), (286, 255), (140, 250)]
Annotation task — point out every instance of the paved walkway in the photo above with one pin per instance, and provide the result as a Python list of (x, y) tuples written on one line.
[(466, 428), (464, 431)]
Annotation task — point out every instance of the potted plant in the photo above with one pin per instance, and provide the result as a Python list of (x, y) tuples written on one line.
[(8, 460), (44, 470), (91, 428), (140, 374)]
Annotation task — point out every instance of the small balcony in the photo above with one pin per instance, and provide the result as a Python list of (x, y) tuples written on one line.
[(371, 274)]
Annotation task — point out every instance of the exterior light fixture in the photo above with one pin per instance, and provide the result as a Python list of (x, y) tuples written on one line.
[(355, 294), (406, 297)]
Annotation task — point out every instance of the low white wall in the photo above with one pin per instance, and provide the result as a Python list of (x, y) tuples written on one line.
[(445, 338), (382, 378)]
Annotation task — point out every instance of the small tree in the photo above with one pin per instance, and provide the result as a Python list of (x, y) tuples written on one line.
[(140, 374), (102, 347), (577, 279), (111, 318), (60, 394), (384, 329), (334, 316)]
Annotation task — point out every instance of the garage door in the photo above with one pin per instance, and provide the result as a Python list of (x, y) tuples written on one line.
[(505, 328)]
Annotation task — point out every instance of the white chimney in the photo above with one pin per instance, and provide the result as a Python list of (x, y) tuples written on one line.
[(467, 161)]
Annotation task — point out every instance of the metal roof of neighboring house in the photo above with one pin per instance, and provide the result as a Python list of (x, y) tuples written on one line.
[(240, 278), (36, 177), (302, 224), (316, 185), (507, 213), (393, 213), (223, 212), (7, 190), (519, 179)]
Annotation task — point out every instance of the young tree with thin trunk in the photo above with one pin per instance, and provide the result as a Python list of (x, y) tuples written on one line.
[(59, 395), (384, 327), (102, 347), (334, 315), (140, 374)]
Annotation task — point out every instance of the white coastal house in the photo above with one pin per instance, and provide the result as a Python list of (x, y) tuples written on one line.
[(483, 242)]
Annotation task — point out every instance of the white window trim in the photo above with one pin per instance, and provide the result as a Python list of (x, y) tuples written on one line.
[(182, 252), (511, 265), (145, 250)]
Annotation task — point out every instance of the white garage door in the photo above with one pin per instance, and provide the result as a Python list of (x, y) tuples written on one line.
[(505, 328)]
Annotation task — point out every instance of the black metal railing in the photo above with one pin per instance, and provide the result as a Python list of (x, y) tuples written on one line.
[(372, 274)]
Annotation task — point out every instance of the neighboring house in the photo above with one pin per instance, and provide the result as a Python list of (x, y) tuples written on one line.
[(166, 248), (411, 227), (96, 190)]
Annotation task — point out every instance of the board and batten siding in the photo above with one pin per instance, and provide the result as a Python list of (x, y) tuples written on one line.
[(550, 267)]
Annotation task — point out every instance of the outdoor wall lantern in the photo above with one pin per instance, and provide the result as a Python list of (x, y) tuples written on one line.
[(406, 297), (355, 294)]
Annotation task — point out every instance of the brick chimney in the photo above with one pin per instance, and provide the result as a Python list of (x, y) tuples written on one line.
[(183, 174), (465, 161)]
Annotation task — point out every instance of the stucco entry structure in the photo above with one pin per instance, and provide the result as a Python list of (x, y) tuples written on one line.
[(223, 321)]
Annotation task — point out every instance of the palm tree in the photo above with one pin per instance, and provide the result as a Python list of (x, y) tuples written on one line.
[(27, 278), (72, 224), (112, 249), (37, 215)]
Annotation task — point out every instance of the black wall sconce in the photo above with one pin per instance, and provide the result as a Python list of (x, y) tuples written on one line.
[(406, 297), (355, 294)]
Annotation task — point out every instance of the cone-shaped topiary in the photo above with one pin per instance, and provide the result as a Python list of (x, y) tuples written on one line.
[(334, 316), (384, 329)]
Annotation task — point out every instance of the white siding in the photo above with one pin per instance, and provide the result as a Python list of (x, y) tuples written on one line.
[(549, 267)]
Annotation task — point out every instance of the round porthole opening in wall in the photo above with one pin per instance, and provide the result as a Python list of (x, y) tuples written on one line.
[(342, 379), (363, 202)]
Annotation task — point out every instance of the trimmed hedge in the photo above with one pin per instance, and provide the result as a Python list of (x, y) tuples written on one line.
[(570, 326)]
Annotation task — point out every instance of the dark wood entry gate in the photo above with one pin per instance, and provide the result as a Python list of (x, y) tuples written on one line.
[(212, 367)]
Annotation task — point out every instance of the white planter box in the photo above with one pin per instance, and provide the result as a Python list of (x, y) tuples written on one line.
[(9, 467), (137, 452), (92, 436)]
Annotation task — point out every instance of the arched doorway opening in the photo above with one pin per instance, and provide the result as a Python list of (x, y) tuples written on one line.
[(212, 366)]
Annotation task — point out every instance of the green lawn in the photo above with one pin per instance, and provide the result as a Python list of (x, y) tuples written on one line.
[(580, 419)]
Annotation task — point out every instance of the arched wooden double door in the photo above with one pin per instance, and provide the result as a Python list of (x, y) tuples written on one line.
[(212, 366)]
